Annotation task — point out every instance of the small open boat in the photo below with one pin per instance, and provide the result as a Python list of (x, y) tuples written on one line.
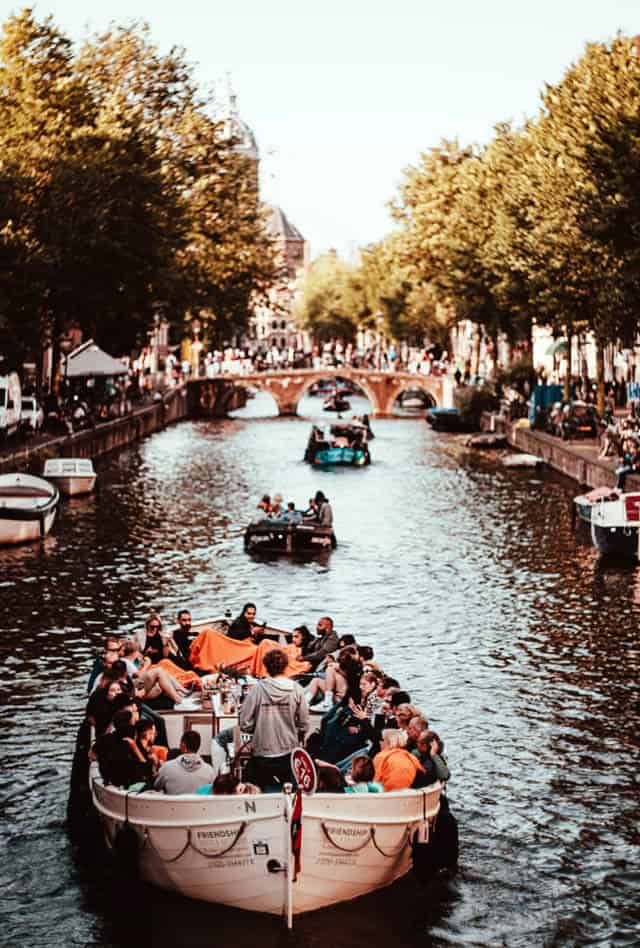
[(336, 402), (27, 508), (72, 476), (447, 419), (279, 537), (615, 525), (347, 444)]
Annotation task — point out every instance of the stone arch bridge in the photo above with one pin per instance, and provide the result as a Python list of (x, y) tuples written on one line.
[(213, 397)]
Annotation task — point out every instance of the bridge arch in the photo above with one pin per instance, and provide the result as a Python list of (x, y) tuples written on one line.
[(338, 374), (421, 384)]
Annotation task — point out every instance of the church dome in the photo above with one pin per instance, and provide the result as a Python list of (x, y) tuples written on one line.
[(246, 143)]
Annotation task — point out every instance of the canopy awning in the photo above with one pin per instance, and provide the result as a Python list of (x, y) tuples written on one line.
[(558, 347), (90, 359)]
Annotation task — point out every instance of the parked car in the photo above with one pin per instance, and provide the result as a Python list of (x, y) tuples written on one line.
[(32, 413), (580, 421), (573, 420)]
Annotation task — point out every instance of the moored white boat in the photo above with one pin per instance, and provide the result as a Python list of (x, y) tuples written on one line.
[(72, 476), (237, 851), (27, 508), (615, 525), (584, 503)]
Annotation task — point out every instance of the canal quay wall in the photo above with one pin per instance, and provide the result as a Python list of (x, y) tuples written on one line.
[(101, 439), (575, 459)]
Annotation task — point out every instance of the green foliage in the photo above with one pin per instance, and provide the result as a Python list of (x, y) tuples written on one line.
[(472, 400), (119, 194), (520, 374), (543, 224), (331, 301)]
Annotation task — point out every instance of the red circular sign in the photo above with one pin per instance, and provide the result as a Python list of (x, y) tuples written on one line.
[(304, 770)]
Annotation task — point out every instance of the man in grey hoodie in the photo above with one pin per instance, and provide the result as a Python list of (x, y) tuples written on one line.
[(186, 773), (275, 712)]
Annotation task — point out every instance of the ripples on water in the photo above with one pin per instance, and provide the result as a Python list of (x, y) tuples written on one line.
[(466, 578)]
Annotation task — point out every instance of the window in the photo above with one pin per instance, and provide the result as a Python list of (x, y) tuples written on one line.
[(283, 324), (274, 324)]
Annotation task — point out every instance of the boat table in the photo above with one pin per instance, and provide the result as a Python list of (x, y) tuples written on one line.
[(204, 716)]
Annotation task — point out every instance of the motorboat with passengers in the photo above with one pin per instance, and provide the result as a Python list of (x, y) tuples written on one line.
[(347, 444), (282, 853), (28, 508)]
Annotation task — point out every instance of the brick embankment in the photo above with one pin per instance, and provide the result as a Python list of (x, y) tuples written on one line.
[(576, 459), (99, 440)]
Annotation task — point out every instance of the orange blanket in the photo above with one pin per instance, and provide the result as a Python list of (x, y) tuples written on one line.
[(181, 675), (213, 649)]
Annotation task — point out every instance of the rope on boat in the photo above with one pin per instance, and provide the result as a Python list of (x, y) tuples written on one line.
[(370, 838), (190, 843), (395, 852)]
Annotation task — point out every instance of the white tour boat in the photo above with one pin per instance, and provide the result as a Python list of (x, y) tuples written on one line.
[(237, 850), (27, 508), (72, 476)]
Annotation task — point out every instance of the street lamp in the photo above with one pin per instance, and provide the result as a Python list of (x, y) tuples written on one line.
[(379, 324), (66, 345)]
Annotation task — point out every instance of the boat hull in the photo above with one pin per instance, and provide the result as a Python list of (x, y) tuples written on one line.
[(28, 508), (233, 850), (298, 539), (354, 457), (448, 419), (14, 531), (74, 486), (616, 541)]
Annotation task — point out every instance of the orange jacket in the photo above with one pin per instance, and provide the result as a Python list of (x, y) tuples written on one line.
[(396, 768)]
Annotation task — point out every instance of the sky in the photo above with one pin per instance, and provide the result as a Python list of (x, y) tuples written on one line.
[(343, 96)]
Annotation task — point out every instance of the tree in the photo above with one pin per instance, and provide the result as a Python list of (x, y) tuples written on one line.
[(330, 300), (221, 255)]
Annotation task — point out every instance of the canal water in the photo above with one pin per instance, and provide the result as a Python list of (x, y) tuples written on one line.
[(519, 644)]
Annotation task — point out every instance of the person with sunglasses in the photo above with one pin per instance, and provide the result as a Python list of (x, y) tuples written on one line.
[(155, 646)]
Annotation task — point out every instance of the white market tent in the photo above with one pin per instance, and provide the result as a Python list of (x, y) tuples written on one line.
[(89, 359)]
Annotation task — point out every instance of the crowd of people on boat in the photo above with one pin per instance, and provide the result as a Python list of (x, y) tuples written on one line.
[(356, 721), (348, 435), (318, 510)]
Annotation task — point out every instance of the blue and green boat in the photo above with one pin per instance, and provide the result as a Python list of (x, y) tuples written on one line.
[(347, 443)]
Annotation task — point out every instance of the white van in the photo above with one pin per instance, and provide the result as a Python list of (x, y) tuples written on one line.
[(10, 404)]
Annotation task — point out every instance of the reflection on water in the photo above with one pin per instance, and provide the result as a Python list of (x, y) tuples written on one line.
[(466, 578)]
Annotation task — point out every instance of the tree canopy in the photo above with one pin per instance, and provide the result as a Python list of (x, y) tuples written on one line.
[(121, 194)]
